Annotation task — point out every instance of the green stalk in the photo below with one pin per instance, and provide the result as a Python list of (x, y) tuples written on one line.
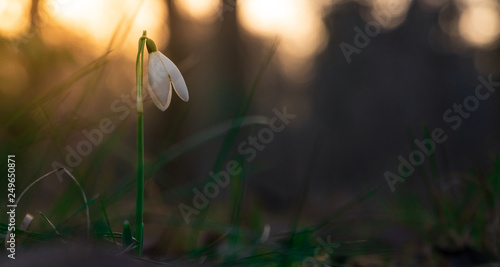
[(139, 206)]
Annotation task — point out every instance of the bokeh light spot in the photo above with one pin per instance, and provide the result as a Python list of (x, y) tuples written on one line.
[(202, 10), (14, 17), (96, 21), (479, 23), (297, 23)]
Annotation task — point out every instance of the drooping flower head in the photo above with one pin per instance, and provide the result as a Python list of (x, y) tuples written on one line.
[(162, 76)]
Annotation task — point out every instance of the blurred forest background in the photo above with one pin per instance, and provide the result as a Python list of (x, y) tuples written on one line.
[(65, 65)]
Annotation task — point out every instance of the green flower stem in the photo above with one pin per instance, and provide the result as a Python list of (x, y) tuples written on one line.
[(139, 207)]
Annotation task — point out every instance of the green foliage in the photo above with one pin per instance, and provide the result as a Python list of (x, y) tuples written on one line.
[(126, 234)]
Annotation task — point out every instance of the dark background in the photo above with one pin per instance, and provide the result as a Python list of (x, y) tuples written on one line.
[(353, 119)]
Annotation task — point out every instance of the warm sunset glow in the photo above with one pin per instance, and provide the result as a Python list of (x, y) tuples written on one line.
[(396, 7), (297, 23), (480, 23), (267, 16), (395, 10), (200, 9), (97, 20), (14, 16)]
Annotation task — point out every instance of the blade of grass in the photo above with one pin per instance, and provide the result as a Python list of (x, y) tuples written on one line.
[(53, 227), (47, 175), (302, 195), (127, 234), (79, 209), (232, 134), (342, 210), (33, 235), (422, 173), (103, 207), (86, 70), (237, 194)]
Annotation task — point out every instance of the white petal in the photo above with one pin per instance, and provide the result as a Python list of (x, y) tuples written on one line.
[(159, 86), (176, 77), (157, 102)]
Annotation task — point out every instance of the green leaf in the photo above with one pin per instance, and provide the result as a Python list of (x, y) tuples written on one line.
[(126, 234)]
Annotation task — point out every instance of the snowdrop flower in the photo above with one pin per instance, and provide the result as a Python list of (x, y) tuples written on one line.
[(162, 76)]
